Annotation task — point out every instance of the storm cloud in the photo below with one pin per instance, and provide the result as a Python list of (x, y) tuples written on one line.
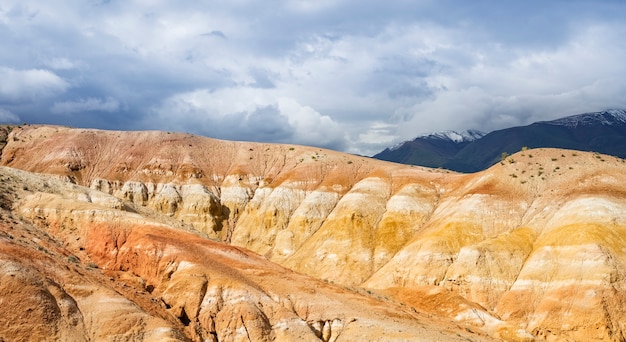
[(355, 76)]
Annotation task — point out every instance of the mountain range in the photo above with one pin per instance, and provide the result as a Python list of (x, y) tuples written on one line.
[(471, 151)]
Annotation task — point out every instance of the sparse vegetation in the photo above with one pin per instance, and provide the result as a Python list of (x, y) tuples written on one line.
[(598, 156)]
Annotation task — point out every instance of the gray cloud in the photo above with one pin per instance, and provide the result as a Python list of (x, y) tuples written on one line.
[(350, 75), (6, 116), (28, 85), (86, 105), (249, 113), (215, 33)]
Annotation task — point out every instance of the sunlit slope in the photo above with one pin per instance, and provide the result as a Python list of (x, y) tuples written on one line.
[(536, 240), (77, 264)]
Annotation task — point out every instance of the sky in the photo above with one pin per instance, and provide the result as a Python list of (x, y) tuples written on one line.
[(354, 76)]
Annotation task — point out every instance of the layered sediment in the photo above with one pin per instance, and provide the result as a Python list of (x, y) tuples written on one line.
[(533, 245)]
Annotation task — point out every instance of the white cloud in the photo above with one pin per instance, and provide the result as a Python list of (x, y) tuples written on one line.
[(29, 85), (7, 116), (60, 63), (308, 6), (517, 87), (250, 114), (86, 105), (311, 127)]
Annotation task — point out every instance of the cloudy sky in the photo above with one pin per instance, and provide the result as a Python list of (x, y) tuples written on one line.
[(355, 76)]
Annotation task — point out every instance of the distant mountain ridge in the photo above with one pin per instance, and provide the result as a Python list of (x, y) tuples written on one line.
[(607, 117), (472, 151), (432, 150), (458, 137)]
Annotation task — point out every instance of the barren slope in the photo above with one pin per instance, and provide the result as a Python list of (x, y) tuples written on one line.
[(532, 245), (78, 264)]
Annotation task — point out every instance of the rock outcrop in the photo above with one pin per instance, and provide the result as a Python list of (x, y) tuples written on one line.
[(530, 248)]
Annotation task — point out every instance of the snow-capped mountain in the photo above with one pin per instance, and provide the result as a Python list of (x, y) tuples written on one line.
[(432, 149), (452, 136), (457, 137), (471, 151), (607, 118)]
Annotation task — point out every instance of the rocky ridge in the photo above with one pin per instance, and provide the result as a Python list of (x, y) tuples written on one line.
[(530, 248)]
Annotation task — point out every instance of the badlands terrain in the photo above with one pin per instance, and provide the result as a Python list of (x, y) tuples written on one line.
[(165, 236)]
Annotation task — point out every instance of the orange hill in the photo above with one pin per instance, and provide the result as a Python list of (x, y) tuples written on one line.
[(530, 248)]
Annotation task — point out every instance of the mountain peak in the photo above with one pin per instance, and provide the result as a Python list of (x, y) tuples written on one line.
[(458, 137), (607, 118), (453, 136), (471, 151)]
